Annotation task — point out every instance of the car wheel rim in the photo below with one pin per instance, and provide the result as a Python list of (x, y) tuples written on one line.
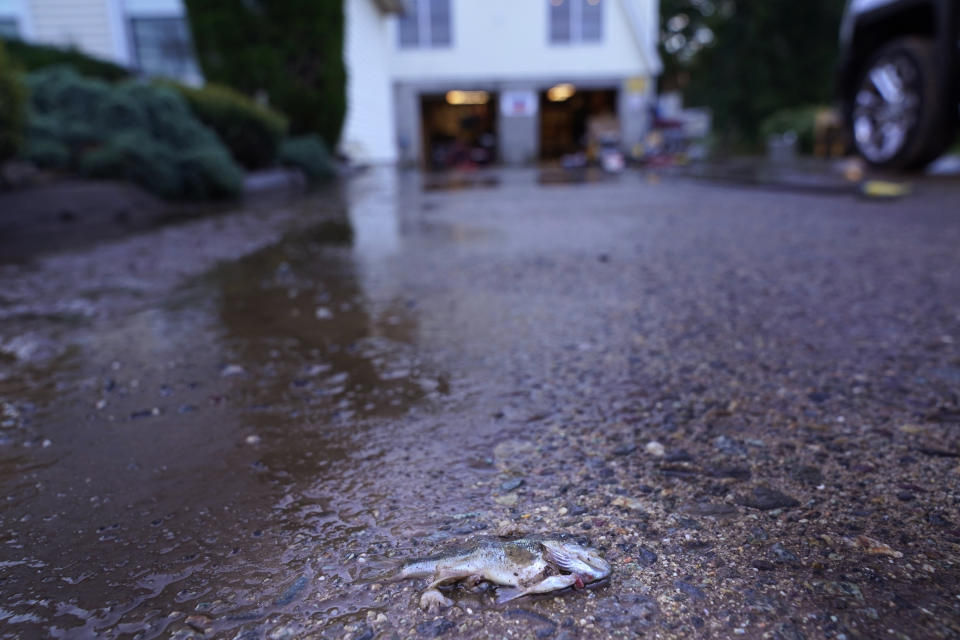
[(886, 108)]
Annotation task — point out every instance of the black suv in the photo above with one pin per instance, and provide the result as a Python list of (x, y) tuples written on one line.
[(899, 79)]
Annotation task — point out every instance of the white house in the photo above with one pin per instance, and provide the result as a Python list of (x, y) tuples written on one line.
[(148, 35), (418, 78), (429, 81)]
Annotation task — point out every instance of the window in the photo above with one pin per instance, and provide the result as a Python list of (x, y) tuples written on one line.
[(162, 47), (576, 21), (425, 23), (9, 28)]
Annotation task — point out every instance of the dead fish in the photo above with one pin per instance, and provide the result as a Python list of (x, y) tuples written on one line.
[(535, 564)]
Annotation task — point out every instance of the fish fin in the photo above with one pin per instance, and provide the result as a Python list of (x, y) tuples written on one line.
[(557, 555), (424, 568), (380, 572), (506, 594)]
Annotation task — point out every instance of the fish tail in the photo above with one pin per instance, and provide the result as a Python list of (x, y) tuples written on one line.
[(506, 594)]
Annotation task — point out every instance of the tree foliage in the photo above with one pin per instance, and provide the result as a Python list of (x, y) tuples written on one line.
[(31, 56), (290, 51), (747, 59), (12, 107)]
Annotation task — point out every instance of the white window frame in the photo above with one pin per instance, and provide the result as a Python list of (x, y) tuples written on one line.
[(17, 27), (193, 78), (19, 13), (576, 24), (424, 30)]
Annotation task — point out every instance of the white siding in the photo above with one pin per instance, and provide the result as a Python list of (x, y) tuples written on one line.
[(17, 9), (507, 39), (72, 23), (368, 132), (154, 7)]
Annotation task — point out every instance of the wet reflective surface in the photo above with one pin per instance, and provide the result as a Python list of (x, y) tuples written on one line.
[(227, 427)]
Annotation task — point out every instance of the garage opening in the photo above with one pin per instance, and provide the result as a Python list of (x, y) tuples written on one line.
[(572, 119), (459, 129)]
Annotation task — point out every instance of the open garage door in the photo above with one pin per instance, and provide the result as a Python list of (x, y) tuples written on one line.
[(566, 115), (459, 129)]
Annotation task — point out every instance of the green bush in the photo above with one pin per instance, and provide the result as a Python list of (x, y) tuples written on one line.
[(133, 131), (63, 107), (291, 50), (251, 132), (32, 57), (12, 108), (47, 153), (309, 154), (209, 172), (799, 120), (136, 157)]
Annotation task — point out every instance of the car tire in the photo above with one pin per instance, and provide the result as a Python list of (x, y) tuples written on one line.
[(898, 114)]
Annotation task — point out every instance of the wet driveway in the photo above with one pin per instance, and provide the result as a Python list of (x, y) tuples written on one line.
[(749, 400)]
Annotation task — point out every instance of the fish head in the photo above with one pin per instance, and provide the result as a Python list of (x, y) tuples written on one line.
[(570, 556)]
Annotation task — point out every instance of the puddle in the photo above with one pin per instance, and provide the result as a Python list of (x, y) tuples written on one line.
[(585, 175), (203, 445), (458, 181), (800, 176)]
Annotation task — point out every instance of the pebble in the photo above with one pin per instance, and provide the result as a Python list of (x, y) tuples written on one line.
[(646, 557), (808, 474), (693, 591), (434, 628), (874, 547), (655, 449), (292, 592), (510, 485), (728, 445), (232, 370), (253, 440), (542, 626), (628, 502), (782, 555), (508, 500), (198, 622), (710, 509), (765, 499)]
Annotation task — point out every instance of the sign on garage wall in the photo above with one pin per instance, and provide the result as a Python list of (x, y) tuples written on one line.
[(518, 103)]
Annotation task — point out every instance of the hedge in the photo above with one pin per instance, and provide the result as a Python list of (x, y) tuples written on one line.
[(310, 155), (32, 57), (799, 120), (132, 131), (292, 51), (251, 132), (12, 108)]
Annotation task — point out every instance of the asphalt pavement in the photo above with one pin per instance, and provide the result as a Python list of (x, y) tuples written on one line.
[(747, 398)]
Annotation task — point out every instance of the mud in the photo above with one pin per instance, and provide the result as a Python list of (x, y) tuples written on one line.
[(748, 400)]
